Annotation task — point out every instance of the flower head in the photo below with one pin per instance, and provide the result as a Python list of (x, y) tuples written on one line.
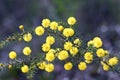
[(49, 67), (73, 51), (62, 55), (45, 23), (50, 56), (71, 20), (60, 28), (46, 47), (68, 32), (27, 51), (82, 66), (105, 66), (50, 40), (21, 27), (113, 61), (53, 25), (97, 42), (88, 56), (39, 30), (68, 45), (100, 52), (68, 66), (25, 69), (41, 65), (27, 37), (12, 55)]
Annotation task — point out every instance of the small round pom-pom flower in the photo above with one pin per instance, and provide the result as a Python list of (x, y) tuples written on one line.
[(45, 23), (12, 55), (53, 25), (105, 66), (50, 40), (46, 47), (88, 56), (41, 65), (27, 51), (71, 20), (62, 55), (21, 27), (68, 32), (90, 43), (49, 67), (82, 66), (68, 45), (50, 56), (68, 66), (25, 69), (73, 51), (39, 30), (97, 42), (27, 37), (60, 28), (113, 61), (100, 52), (77, 41)]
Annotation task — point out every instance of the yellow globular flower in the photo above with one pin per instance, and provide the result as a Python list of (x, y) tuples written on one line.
[(113, 61), (21, 27), (50, 56), (60, 28), (77, 41), (46, 47), (73, 51), (53, 25), (27, 37), (25, 69), (39, 30), (105, 66), (90, 43), (46, 23), (9, 66), (68, 32), (41, 65), (82, 66), (68, 66), (68, 45), (49, 67), (50, 40), (88, 56), (27, 51), (71, 20), (100, 52), (62, 55), (12, 55), (52, 51), (97, 42)]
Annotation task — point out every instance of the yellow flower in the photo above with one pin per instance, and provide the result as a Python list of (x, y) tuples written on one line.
[(60, 28), (97, 42), (9, 66), (21, 27), (90, 43), (87, 61), (49, 67), (68, 32), (113, 61), (74, 50), (53, 25), (82, 66), (46, 47), (25, 69), (77, 41), (27, 51), (68, 45), (71, 20), (105, 66), (100, 52), (27, 37), (68, 66), (41, 65), (50, 56), (39, 30), (45, 23), (88, 56), (62, 55), (50, 40), (12, 55)]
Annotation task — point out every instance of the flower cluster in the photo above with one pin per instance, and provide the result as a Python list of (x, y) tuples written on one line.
[(72, 50)]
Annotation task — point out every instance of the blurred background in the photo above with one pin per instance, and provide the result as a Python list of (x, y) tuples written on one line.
[(94, 18)]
